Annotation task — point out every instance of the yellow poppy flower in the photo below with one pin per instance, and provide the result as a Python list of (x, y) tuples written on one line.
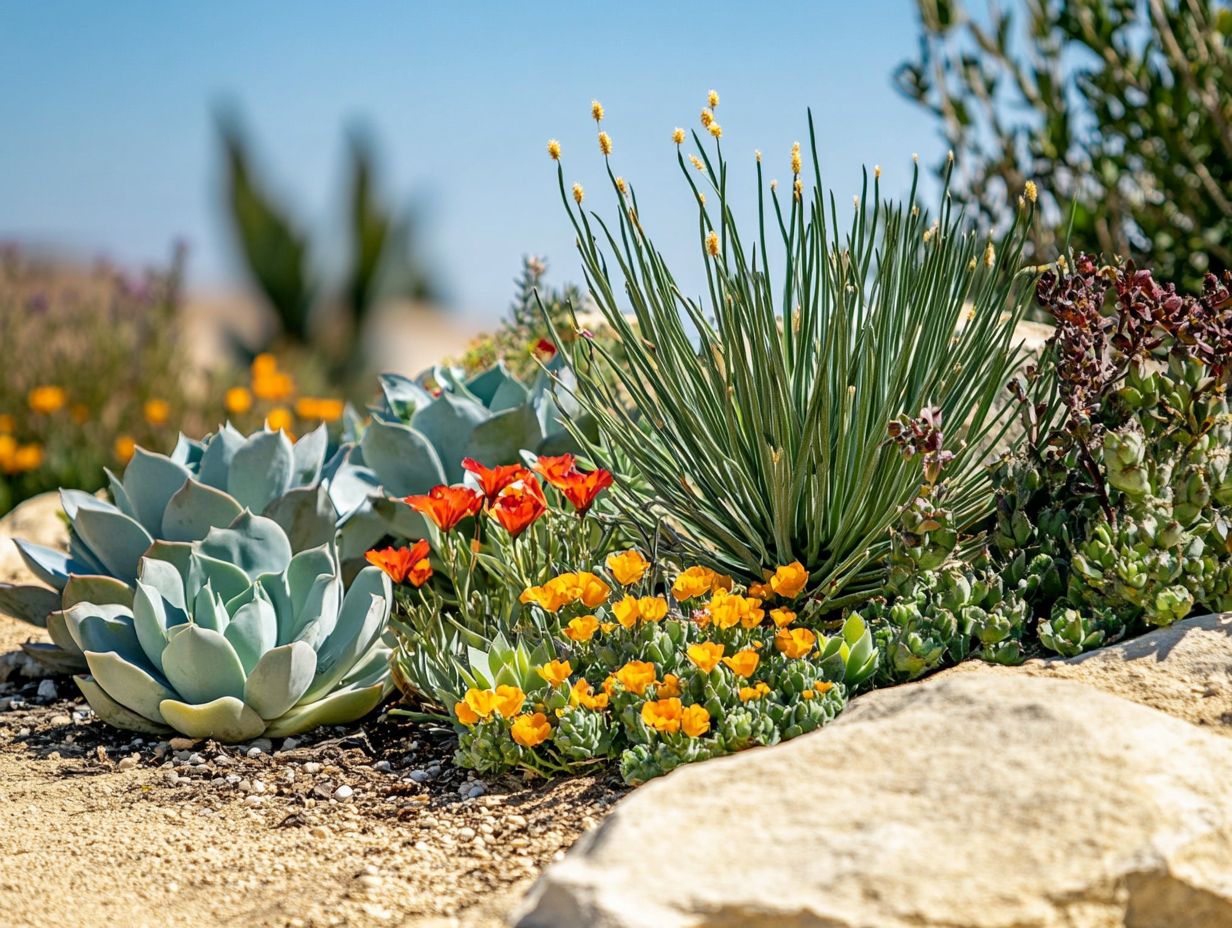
[(508, 700), (782, 617), (695, 721), (795, 642), (743, 663), (789, 581), (582, 628), (823, 686), (691, 583), (663, 715), (530, 730), (635, 676), (628, 567), (652, 608), (480, 702), (466, 715), (668, 686), (556, 672), (582, 694), (706, 655), (627, 611), (592, 591)]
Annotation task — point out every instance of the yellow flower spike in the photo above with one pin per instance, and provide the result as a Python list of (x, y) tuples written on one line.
[(796, 163), (706, 655), (555, 672), (743, 663), (582, 628), (876, 172), (696, 162), (990, 255), (47, 399), (635, 676), (652, 608), (578, 194), (1031, 191), (481, 702), (465, 714), (794, 642), (712, 243), (627, 567), (715, 129), (712, 98), (123, 448), (620, 185), (695, 721), (789, 580), (668, 686), (707, 117), (627, 611), (782, 617), (605, 144), (663, 715), (596, 111), (530, 730), (554, 149), (156, 411), (237, 400), (508, 700), (797, 189), (678, 136)]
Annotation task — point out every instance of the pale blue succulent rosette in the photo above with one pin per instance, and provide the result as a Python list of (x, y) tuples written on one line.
[(235, 637)]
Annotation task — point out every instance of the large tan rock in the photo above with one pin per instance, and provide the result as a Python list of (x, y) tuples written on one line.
[(1184, 670), (39, 520), (982, 800)]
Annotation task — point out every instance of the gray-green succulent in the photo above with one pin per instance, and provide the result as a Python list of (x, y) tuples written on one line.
[(236, 636)]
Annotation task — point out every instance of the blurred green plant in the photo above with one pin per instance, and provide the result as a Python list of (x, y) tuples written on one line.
[(1121, 111), (756, 436), (381, 255)]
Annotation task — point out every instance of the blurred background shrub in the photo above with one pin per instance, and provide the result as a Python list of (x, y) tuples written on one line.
[(1121, 111)]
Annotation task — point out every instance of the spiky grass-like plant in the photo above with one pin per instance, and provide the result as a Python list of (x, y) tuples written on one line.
[(756, 433)]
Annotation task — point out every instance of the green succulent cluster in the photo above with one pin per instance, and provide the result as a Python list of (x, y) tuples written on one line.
[(234, 637)]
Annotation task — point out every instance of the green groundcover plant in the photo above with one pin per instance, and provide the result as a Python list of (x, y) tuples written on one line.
[(750, 425)]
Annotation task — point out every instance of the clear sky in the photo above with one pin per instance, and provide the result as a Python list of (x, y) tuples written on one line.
[(107, 141)]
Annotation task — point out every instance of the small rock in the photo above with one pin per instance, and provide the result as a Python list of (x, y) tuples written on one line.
[(290, 744), (47, 690), (61, 719), (320, 832), (171, 777), (54, 755), (196, 759), (383, 766), (264, 745), (254, 800), (419, 776), (254, 751), (312, 767), (128, 763), (181, 744), (343, 793)]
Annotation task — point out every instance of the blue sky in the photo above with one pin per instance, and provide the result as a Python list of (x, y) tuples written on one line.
[(108, 146)]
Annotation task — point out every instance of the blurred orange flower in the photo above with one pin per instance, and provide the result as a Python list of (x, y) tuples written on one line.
[(124, 447), (238, 400), (47, 399), (156, 411)]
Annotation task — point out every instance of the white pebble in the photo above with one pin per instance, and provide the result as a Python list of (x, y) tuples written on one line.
[(343, 793), (47, 689)]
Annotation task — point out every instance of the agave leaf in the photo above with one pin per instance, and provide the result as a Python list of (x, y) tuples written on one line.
[(62, 638), (48, 564), (194, 509), (308, 456), (402, 395), (261, 470), (128, 684), (187, 451), (209, 611), (225, 719), (225, 579), (253, 631), (104, 628), (54, 660), (499, 439), (178, 554), (150, 480), (306, 515), (337, 708), (28, 603), (119, 494), (447, 423), (361, 620), (151, 621), (403, 458), (280, 679), (112, 712), (165, 578), (117, 540), (96, 589), (202, 665), (352, 482), (254, 544), (216, 459)]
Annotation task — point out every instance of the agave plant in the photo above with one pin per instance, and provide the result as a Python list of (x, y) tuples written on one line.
[(757, 425), (162, 504), (237, 637), (418, 438)]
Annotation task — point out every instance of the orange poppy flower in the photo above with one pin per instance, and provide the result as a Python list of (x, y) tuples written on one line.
[(494, 479), (519, 505), (530, 730), (582, 489), (663, 714), (795, 642), (556, 468), (404, 564), (695, 721), (743, 663), (447, 506)]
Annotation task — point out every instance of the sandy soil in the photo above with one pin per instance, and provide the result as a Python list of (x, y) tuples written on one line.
[(100, 829)]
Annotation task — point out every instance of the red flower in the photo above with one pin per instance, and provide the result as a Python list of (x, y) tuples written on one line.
[(447, 506), (519, 505), (404, 564), (556, 469), (545, 347), (581, 489), (495, 479)]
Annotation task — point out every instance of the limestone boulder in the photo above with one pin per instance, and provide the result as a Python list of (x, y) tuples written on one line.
[(991, 800)]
